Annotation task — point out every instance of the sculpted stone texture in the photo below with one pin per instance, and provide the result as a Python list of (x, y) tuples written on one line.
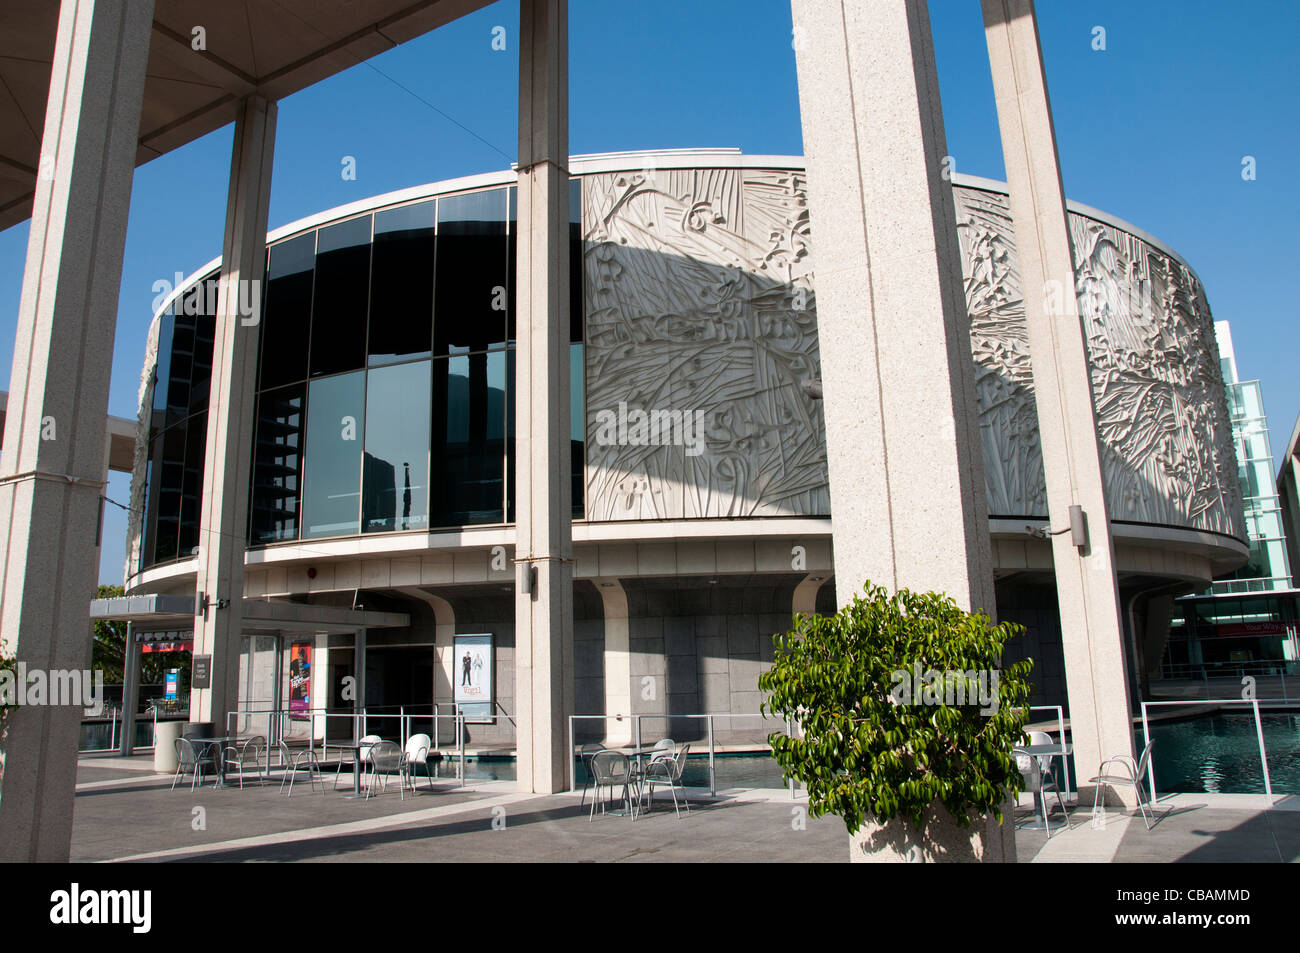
[(700, 302), (1167, 454), (699, 299)]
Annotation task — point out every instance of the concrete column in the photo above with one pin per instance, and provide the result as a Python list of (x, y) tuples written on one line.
[(219, 584), (902, 438), (359, 672), (543, 534), (618, 662), (51, 463), (1092, 629), (130, 691)]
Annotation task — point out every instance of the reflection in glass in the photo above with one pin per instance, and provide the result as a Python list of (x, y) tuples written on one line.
[(577, 431), (467, 478), (196, 439), (401, 287), (470, 293), (338, 321), (394, 494), (286, 316), (167, 499), (335, 436), (277, 464)]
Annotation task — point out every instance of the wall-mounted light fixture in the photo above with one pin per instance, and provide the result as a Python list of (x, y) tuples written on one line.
[(1078, 528)]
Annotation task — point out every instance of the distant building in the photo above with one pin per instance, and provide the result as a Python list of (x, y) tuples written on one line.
[(1246, 623)]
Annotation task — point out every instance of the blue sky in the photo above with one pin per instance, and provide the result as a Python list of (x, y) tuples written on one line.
[(1153, 130)]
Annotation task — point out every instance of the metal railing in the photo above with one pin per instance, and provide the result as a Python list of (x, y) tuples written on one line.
[(1259, 735), (1270, 677), (637, 736), (360, 724)]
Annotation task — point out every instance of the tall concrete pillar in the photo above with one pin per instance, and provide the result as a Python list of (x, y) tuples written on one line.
[(130, 691), (223, 511), (902, 437), (1092, 630), (618, 662), (51, 466), (543, 534)]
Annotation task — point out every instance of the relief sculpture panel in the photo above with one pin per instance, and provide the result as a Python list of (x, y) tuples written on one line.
[(701, 331), (1162, 416)]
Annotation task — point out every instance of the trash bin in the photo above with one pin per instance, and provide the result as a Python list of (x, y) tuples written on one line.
[(165, 734)]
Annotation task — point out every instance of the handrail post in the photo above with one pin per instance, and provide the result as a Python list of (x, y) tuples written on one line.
[(1263, 753), (1151, 763), (573, 768), (713, 777), (460, 734)]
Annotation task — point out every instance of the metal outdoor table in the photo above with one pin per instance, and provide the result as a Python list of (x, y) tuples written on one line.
[(1052, 750), (219, 759)]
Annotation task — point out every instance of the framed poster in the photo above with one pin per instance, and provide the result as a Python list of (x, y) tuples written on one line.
[(472, 676), (299, 681)]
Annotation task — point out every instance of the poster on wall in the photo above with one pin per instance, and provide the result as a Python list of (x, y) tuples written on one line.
[(299, 681), (472, 676)]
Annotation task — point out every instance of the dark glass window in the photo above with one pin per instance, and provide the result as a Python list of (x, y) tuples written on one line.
[(575, 261), (277, 464), (401, 287), (162, 373), (470, 293), (170, 485), (196, 440), (286, 320), (182, 363), (577, 431), (467, 479), (395, 474), (338, 323), (332, 474)]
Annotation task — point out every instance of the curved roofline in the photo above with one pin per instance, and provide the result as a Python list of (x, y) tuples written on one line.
[(720, 157)]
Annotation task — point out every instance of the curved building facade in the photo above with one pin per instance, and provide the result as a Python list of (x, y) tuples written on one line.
[(384, 434)]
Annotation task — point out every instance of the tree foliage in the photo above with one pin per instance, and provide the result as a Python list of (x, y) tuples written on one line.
[(861, 752)]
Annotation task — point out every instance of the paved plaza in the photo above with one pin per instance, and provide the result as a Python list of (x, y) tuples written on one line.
[(126, 812)]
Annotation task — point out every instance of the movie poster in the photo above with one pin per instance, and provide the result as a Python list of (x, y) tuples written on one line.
[(300, 681), (472, 676)]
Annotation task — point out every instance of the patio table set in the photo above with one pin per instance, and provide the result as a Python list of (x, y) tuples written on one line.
[(634, 771), (372, 757), (1035, 759)]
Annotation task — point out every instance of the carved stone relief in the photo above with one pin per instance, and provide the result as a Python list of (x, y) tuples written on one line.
[(1162, 417), (699, 306)]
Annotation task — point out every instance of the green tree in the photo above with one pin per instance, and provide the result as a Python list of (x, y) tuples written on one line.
[(866, 749), (108, 641)]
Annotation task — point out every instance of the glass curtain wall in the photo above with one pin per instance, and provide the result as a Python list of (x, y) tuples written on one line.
[(385, 393)]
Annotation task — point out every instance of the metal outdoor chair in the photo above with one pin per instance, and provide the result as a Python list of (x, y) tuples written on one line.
[(189, 760), (386, 758), (293, 762), (248, 753), (366, 742), (1134, 773), (1039, 782), (586, 753), (417, 753), (610, 769), (667, 770)]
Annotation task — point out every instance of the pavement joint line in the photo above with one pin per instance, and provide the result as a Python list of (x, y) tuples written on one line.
[(122, 782), (363, 825)]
